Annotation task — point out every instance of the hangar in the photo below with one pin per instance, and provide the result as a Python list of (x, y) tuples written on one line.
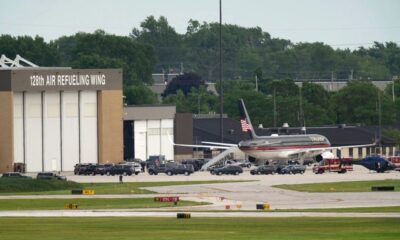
[(149, 130), (54, 118)]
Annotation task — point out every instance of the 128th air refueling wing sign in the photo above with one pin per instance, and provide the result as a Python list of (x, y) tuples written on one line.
[(47, 79)]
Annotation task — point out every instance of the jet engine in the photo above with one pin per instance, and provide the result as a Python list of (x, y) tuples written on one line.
[(324, 155)]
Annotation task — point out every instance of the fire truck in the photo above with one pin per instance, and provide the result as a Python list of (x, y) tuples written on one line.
[(396, 161), (333, 165)]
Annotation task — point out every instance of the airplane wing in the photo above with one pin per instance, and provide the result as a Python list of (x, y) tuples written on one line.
[(211, 147), (221, 144), (340, 147), (202, 146), (312, 151)]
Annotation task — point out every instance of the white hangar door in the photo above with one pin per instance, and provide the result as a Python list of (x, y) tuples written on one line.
[(140, 139), (88, 126), (70, 130), (51, 131), (153, 137), (33, 132), (18, 128), (167, 134)]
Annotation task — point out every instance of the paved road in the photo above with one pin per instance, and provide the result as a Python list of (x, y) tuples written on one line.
[(127, 213)]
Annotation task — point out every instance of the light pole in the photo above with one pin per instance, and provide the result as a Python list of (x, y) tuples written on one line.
[(220, 74)]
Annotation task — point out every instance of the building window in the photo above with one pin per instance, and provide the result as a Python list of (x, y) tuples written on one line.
[(383, 150), (368, 151), (350, 152), (360, 152)]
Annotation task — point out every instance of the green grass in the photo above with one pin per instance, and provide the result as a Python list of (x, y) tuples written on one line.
[(98, 228), (19, 185), (343, 210), (87, 203), (46, 187), (356, 186)]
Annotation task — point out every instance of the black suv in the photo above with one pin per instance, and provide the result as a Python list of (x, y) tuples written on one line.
[(264, 169), (173, 169), (84, 169), (293, 169), (102, 168), (197, 163), (228, 169), (14, 175), (50, 176), (120, 170)]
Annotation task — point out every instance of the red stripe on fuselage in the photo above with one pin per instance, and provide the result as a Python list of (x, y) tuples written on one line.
[(266, 148)]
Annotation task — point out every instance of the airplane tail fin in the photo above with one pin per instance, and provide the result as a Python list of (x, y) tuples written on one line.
[(245, 121)]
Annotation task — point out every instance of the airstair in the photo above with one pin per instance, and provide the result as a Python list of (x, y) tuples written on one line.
[(219, 158)]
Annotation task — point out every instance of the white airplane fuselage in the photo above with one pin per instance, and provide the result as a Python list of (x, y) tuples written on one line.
[(283, 147)]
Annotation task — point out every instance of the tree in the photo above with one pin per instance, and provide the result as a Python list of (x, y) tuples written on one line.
[(35, 49), (139, 94), (358, 103), (102, 50), (184, 82), (167, 43)]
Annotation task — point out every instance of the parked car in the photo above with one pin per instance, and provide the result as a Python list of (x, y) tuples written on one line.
[(227, 169), (293, 169), (84, 169), (50, 176), (263, 169), (197, 163), (120, 170), (173, 169), (14, 175), (155, 160), (137, 167), (243, 163)]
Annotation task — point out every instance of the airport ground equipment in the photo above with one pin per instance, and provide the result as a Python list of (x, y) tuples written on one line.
[(219, 158)]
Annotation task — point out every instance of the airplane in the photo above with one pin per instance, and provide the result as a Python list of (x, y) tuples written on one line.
[(374, 163), (277, 147)]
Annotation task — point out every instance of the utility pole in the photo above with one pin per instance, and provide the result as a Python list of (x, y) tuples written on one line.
[(394, 99), (274, 100), (380, 119), (302, 121), (220, 75), (181, 68), (256, 83)]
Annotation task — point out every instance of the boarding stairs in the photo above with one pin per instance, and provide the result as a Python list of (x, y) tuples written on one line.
[(219, 158)]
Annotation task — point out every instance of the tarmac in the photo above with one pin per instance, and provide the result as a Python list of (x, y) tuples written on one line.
[(239, 197)]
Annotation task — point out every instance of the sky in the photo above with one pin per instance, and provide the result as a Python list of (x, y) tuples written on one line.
[(339, 23)]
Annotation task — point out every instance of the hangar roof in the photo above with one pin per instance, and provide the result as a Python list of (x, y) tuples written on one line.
[(149, 112), (207, 129)]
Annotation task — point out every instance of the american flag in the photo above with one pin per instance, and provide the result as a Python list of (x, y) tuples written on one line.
[(245, 125)]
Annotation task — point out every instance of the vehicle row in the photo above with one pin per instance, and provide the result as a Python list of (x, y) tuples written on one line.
[(272, 169), (170, 168), (41, 175), (129, 169)]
